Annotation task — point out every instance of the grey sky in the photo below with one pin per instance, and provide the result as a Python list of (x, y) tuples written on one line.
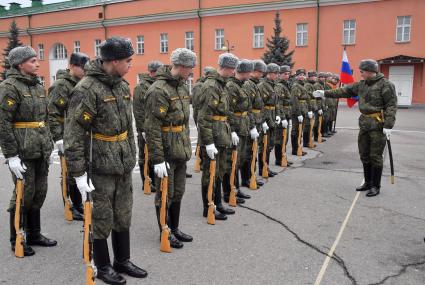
[(26, 3)]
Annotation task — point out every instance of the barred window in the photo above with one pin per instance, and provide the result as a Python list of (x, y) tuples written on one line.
[(164, 43), (403, 28), (349, 32), (302, 34), (140, 44), (258, 39), (219, 39), (190, 40)]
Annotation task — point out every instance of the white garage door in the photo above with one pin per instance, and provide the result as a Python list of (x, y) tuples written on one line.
[(402, 77)]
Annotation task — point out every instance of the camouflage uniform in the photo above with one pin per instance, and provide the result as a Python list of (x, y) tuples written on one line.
[(105, 111), (285, 113), (300, 107), (312, 106), (197, 98), (320, 106)]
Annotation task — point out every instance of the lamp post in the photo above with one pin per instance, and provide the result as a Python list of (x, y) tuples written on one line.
[(228, 48)]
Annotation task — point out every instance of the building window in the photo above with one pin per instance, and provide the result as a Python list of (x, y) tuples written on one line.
[(41, 51), (59, 52), (190, 40), (97, 47), (42, 80), (140, 44), (77, 46), (349, 32), (219, 39), (302, 34), (258, 37), (163, 43), (403, 28)]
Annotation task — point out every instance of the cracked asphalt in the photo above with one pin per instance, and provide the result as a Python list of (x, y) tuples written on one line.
[(281, 236)]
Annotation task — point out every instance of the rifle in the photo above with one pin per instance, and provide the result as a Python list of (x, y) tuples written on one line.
[(19, 219), (232, 197), (197, 166), (300, 146), (88, 227), (211, 206), (265, 170), (284, 161), (311, 144), (147, 182), (319, 130), (336, 114), (65, 191), (165, 233), (390, 152), (253, 179)]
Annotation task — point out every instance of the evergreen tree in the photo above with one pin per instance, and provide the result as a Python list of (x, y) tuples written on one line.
[(277, 47), (13, 42)]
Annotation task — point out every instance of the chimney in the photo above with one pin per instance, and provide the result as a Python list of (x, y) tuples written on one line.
[(14, 6), (36, 3)]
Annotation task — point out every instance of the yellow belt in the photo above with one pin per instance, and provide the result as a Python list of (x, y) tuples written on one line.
[(173, 129), (302, 101), (219, 118), (61, 120), (116, 138), (378, 116), (256, 111), (287, 107), (29, 125), (269, 107), (241, 114)]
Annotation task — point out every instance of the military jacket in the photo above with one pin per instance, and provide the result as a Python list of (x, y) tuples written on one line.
[(139, 100), (309, 86), (300, 99), (284, 100), (240, 106), (257, 105), (269, 96)]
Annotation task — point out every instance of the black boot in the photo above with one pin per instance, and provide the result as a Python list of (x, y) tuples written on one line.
[(152, 177), (188, 175), (77, 205), (278, 154), (105, 271), (306, 139), (245, 174), (224, 210), (294, 143), (28, 251), (376, 182), (122, 263), (174, 242), (367, 183), (34, 236), (242, 195), (174, 218)]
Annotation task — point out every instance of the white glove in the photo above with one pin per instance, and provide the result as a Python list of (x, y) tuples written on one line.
[(300, 118), (254, 133), (290, 123), (211, 151), (17, 167), (318, 94), (310, 115), (83, 186), (320, 112), (144, 136), (387, 133), (265, 127), (51, 158), (59, 145), (278, 120), (235, 139), (160, 170), (285, 124)]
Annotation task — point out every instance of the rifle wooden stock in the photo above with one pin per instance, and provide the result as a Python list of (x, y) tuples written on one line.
[(197, 166), (319, 130), (65, 195), (311, 143), (232, 196), (390, 152), (265, 170), (165, 233), (300, 146), (253, 179), (284, 161), (88, 241), (211, 206), (147, 182), (20, 235)]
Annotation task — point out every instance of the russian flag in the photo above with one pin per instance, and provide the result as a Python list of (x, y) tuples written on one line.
[(346, 77)]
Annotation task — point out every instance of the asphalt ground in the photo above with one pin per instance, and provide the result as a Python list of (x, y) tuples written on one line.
[(284, 233)]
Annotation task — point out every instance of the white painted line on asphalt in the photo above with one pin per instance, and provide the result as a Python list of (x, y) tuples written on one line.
[(338, 238)]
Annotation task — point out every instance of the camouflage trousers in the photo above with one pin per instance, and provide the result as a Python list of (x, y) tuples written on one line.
[(176, 183), (112, 203), (35, 184), (371, 147)]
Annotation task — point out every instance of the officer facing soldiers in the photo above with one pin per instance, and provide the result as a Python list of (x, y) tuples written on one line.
[(378, 107), (242, 126), (139, 105), (105, 113), (167, 135), (215, 132), (59, 97), (25, 141), (272, 120), (312, 105), (300, 108), (257, 104)]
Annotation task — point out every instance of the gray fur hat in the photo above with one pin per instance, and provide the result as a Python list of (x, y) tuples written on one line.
[(245, 66), (259, 65), (208, 69), (285, 68), (273, 68), (322, 74), (154, 65), (79, 59), (184, 57), (369, 65), (335, 76), (20, 54), (300, 71), (116, 48), (312, 73), (228, 60)]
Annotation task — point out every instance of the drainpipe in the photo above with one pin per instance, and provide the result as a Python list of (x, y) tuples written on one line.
[(200, 38), (105, 34), (317, 33), (28, 29)]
